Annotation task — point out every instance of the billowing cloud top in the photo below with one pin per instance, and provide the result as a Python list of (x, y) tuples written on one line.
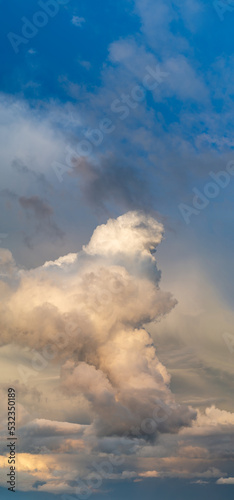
[(130, 234)]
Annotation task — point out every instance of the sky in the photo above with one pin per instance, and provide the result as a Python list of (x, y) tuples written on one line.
[(116, 248)]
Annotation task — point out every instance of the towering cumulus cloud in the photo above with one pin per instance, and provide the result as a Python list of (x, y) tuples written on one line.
[(96, 304)]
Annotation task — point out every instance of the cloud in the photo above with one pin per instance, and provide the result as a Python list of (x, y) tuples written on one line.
[(131, 235), (105, 295), (38, 483), (225, 480), (200, 481), (28, 151), (42, 212), (25, 170), (78, 21), (158, 20), (112, 180), (214, 417), (128, 474), (43, 428), (212, 421), (7, 263), (41, 436), (179, 78), (40, 208), (193, 452), (190, 339), (149, 473)]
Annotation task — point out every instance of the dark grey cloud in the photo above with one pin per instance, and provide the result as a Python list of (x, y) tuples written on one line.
[(37, 484), (41, 209), (113, 181), (20, 167), (40, 212)]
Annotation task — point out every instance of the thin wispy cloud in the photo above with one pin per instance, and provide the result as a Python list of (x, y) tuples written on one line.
[(78, 21)]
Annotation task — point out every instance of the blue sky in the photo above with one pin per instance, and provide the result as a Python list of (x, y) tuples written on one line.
[(107, 109), (162, 489), (177, 489)]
